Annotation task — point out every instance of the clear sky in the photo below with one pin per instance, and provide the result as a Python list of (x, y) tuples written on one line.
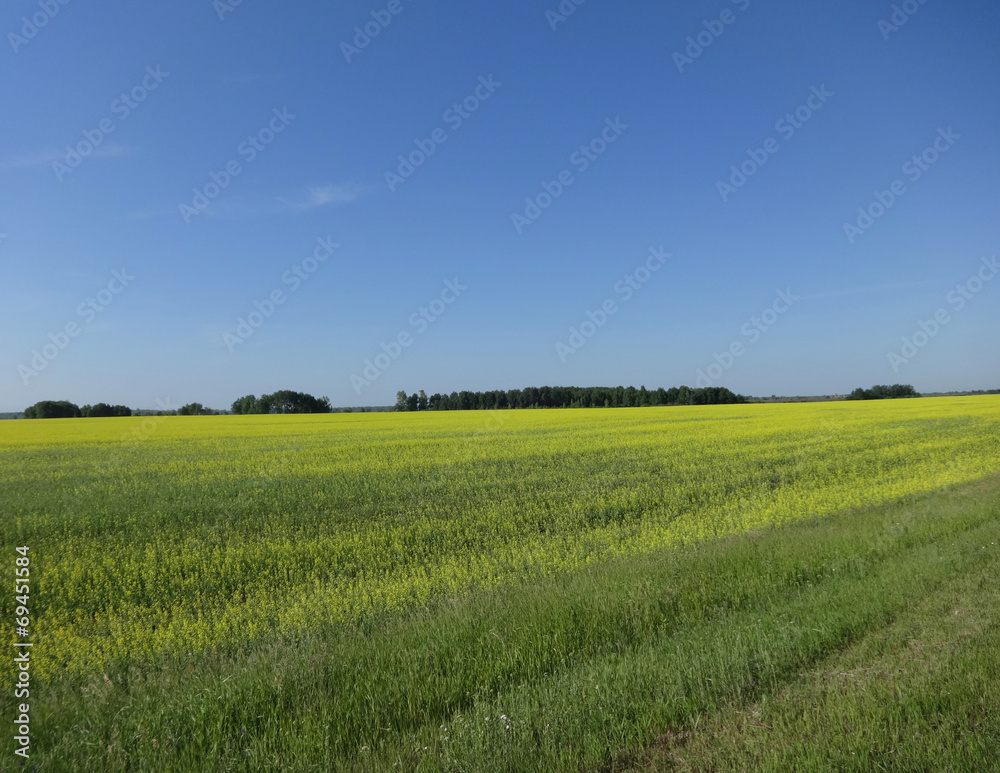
[(222, 157)]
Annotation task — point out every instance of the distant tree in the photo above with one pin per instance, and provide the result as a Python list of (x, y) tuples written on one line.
[(103, 410), (282, 401), (902, 390), (566, 397), (287, 401), (883, 392), (53, 409), (194, 409), (245, 405)]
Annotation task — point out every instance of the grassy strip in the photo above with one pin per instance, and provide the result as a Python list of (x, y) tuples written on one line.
[(580, 667), (917, 695), (617, 702)]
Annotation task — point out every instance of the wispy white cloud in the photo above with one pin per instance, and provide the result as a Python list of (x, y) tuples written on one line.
[(47, 156), (33, 158), (240, 207), (868, 289), (320, 196)]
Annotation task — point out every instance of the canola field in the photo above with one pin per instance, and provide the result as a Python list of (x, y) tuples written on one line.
[(153, 540)]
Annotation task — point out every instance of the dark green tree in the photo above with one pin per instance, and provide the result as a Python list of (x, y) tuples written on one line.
[(245, 405), (282, 401), (53, 409), (103, 410), (883, 392), (194, 409)]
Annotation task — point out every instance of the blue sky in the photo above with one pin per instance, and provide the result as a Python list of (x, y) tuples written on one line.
[(584, 145)]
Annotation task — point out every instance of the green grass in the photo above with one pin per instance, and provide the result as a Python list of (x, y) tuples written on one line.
[(918, 694), (824, 644), (151, 538)]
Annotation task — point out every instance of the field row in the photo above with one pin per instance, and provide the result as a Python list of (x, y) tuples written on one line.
[(863, 640), (184, 535)]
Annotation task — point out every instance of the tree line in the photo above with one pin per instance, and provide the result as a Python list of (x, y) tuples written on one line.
[(883, 392), (64, 409), (282, 401), (566, 397), (53, 409)]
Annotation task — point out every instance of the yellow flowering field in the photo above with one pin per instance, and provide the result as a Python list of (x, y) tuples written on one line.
[(154, 539)]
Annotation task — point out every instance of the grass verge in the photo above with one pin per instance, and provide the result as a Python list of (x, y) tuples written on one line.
[(644, 663)]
